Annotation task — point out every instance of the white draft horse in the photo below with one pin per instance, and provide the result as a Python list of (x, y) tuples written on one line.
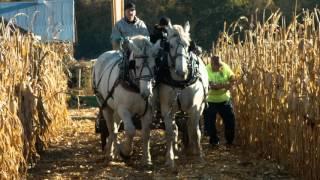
[(123, 99), (184, 88)]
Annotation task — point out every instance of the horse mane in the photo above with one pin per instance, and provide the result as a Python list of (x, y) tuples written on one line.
[(178, 30)]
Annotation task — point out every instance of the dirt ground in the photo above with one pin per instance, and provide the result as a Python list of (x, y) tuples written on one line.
[(77, 155)]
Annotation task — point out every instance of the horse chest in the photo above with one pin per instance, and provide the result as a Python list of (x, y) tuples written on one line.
[(132, 101), (181, 99)]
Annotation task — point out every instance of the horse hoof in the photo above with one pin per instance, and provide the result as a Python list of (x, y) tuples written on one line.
[(107, 161), (148, 165)]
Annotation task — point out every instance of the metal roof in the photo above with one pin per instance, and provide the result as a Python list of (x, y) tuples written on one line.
[(50, 19)]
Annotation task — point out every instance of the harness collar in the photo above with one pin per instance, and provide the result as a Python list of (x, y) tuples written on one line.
[(164, 73)]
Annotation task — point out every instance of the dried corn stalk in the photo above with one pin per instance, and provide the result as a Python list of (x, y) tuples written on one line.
[(32, 99), (277, 100)]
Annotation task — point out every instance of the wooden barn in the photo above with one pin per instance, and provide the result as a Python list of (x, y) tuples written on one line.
[(52, 20)]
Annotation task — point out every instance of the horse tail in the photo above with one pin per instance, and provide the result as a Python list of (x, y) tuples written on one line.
[(94, 86)]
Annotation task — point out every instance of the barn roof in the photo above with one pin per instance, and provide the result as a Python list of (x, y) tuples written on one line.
[(51, 19)]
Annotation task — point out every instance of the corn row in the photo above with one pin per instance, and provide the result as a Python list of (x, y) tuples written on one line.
[(277, 98), (32, 102)]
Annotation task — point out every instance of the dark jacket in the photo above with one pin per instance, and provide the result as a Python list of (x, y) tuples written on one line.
[(158, 33)]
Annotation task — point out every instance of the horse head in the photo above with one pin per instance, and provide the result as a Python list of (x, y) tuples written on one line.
[(179, 41), (142, 63)]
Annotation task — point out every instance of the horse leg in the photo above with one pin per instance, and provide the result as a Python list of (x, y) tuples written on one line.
[(129, 129), (182, 127), (108, 116), (146, 122), (175, 136), (117, 123), (169, 125), (103, 134), (194, 133)]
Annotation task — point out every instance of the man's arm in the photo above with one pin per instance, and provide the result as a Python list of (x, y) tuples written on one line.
[(115, 37), (226, 86)]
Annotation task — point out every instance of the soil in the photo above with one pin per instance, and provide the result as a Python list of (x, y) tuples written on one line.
[(76, 154)]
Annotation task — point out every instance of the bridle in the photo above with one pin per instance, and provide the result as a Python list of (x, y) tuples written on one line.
[(145, 64), (148, 77), (177, 54)]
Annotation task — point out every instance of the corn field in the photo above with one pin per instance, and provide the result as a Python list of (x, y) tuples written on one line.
[(32, 99), (277, 97)]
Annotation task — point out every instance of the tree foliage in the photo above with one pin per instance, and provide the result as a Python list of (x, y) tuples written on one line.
[(93, 22), (207, 17)]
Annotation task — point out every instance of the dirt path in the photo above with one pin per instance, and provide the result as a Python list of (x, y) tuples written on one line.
[(77, 155)]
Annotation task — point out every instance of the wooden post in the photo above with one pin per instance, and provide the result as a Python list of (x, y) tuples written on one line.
[(79, 87), (117, 10)]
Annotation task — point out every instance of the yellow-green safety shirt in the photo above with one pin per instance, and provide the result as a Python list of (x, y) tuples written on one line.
[(219, 77)]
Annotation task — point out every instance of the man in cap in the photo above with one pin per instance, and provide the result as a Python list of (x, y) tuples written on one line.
[(128, 26)]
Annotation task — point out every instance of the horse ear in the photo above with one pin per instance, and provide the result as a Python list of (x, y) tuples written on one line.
[(134, 48), (170, 25), (187, 27), (169, 31)]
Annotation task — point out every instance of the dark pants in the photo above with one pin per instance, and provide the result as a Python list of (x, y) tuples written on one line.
[(225, 110)]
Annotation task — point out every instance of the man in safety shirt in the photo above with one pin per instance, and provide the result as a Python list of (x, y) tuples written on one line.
[(221, 79)]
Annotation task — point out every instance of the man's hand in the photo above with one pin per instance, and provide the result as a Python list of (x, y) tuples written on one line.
[(125, 43), (226, 86), (220, 86), (215, 86), (126, 40)]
